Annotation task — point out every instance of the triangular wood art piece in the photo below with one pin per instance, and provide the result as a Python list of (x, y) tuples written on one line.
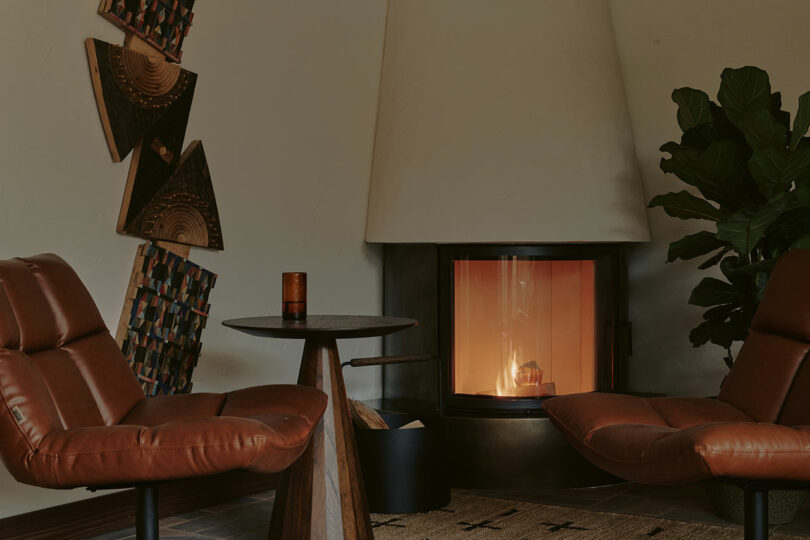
[(183, 209), (134, 91)]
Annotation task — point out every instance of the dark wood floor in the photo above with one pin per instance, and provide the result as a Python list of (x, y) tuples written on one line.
[(249, 517)]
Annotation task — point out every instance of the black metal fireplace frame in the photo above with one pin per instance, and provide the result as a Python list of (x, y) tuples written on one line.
[(532, 453), (612, 328)]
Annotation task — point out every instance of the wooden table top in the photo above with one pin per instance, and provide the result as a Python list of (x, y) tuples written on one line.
[(321, 326)]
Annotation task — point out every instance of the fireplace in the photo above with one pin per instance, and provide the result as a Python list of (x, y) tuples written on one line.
[(509, 326)]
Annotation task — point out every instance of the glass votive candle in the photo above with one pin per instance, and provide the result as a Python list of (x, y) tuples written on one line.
[(294, 295)]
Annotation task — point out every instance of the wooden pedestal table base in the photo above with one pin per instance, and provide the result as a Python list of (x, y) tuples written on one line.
[(322, 494)]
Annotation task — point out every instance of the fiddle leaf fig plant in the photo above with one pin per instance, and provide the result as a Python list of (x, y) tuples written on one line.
[(750, 179)]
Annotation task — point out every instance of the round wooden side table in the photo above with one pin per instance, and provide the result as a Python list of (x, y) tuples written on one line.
[(322, 495)]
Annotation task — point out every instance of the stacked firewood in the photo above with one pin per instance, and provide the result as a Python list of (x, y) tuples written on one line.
[(365, 417)]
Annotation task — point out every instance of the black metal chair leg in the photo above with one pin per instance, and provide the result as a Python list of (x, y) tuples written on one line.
[(756, 513), (146, 512)]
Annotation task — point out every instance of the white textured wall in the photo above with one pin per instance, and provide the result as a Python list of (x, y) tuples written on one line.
[(665, 45), (285, 106)]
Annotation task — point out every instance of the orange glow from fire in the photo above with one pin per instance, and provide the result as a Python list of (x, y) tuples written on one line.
[(524, 328)]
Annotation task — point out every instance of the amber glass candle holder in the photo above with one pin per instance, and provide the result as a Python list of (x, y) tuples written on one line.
[(294, 295)]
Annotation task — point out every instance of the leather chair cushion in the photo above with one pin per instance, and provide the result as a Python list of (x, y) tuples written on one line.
[(659, 455), (277, 398), (796, 410), (193, 447), (161, 409), (678, 440), (29, 413), (109, 381), (763, 374), (68, 389), (9, 331), (779, 312), (584, 413), (180, 436), (74, 311), (35, 320)]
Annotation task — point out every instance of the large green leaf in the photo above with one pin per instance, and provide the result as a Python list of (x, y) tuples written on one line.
[(762, 129), (776, 109), (712, 291), (722, 333), (753, 268), (794, 222), (743, 280), (720, 173), (714, 259), (693, 107), (700, 137), (723, 125), (803, 191), (743, 91), (743, 229), (684, 205), (694, 245), (721, 312), (802, 121), (775, 169)]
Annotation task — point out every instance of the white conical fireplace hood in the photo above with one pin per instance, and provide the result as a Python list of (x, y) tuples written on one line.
[(503, 121)]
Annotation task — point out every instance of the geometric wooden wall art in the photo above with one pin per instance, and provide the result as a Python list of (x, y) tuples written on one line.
[(182, 209), (164, 24), (165, 311), (144, 103), (134, 91)]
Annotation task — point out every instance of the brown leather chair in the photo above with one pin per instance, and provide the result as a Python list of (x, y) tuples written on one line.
[(72, 413), (757, 431)]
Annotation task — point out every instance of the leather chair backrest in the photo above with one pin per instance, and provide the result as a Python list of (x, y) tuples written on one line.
[(770, 380), (59, 366)]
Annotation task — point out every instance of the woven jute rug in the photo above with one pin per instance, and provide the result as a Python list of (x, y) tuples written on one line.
[(472, 517)]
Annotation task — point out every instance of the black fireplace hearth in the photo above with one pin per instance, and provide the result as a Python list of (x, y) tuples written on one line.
[(509, 326)]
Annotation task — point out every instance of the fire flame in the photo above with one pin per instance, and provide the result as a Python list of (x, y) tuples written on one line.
[(514, 379), (505, 383)]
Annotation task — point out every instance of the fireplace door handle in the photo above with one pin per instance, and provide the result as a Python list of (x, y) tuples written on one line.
[(383, 360)]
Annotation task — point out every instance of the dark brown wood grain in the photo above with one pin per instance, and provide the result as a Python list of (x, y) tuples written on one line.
[(126, 114), (115, 511), (322, 495), (356, 519), (321, 326), (169, 194), (183, 208), (385, 360)]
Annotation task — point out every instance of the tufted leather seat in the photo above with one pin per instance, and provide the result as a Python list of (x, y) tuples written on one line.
[(758, 428), (72, 413)]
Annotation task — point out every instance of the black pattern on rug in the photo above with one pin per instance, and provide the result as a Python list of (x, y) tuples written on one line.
[(470, 517)]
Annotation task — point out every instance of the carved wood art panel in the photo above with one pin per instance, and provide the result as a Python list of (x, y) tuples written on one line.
[(165, 310), (144, 103)]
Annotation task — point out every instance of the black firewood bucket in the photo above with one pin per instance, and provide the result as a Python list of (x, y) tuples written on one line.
[(404, 470)]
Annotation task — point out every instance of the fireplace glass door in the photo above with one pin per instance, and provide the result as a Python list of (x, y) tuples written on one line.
[(523, 327)]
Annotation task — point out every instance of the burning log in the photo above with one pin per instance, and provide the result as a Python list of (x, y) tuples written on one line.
[(529, 374)]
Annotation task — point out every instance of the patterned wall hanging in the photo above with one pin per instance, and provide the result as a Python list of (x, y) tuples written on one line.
[(164, 24), (165, 311)]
